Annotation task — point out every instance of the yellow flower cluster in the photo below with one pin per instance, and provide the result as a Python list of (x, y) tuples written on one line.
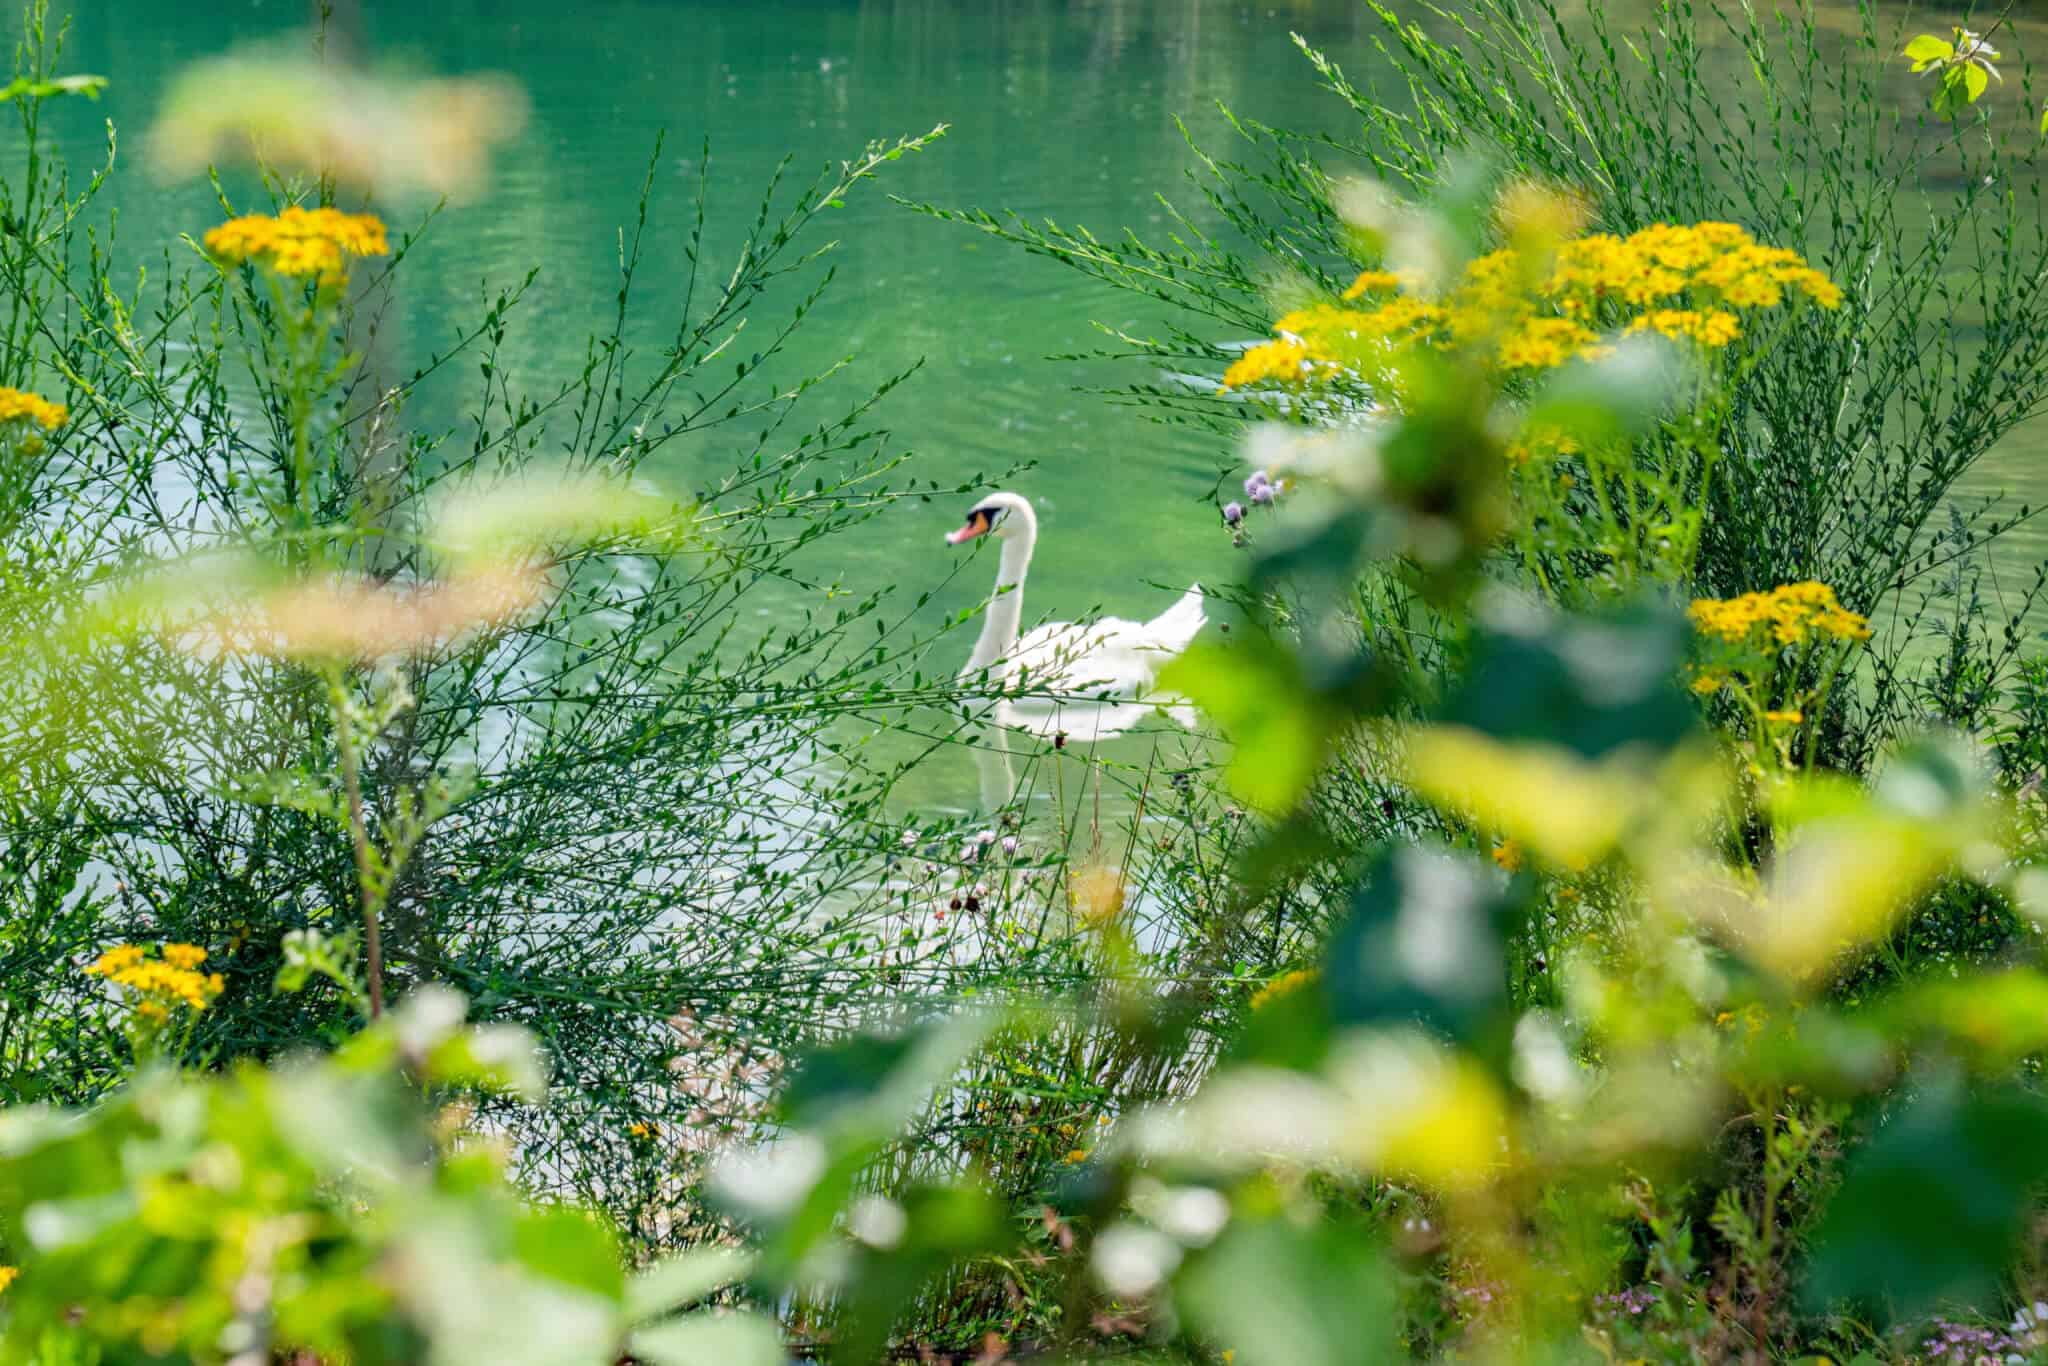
[(1715, 262), (1508, 854), (160, 983), (1543, 441), (8, 1276), (1536, 316), (16, 403), (1282, 985), (1546, 343), (300, 243), (1713, 327), (1787, 615), (1281, 360), (1382, 282)]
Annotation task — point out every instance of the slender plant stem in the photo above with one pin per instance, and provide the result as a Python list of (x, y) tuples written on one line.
[(359, 835)]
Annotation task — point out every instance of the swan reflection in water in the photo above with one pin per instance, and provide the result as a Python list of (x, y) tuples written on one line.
[(1079, 723)]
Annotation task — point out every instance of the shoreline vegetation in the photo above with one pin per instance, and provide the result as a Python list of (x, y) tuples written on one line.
[(1601, 919)]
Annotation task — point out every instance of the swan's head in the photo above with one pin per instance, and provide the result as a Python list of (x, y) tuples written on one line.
[(1001, 515)]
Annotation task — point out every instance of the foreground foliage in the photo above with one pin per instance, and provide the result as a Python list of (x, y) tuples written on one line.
[(1612, 933)]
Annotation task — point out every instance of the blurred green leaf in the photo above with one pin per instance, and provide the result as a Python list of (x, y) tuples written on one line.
[(1288, 1026), (1994, 1018), (1616, 398), (1278, 1294), (498, 1058), (572, 1246), (1421, 941), (1590, 684), (874, 1082), (22, 86), (1931, 1209), (710, 1339), (538, 513), (943, 1226), (1256, 692), (680, 1281)]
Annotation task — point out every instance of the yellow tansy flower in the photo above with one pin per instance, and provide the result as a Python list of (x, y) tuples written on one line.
[(1683, 282), (1270, 360), (117, 959), (1283, 984), (300, 243), (1380, 282), (1545, 344), (157, 984), (1787, 615), (18, 403), (1713, 327)]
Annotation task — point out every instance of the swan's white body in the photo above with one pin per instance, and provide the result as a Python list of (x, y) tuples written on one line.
[(1089, 680)]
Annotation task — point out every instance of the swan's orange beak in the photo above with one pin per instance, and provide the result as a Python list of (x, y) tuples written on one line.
[(977, 525)]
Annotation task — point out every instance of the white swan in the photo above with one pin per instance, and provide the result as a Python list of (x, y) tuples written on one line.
[(1109, 666)]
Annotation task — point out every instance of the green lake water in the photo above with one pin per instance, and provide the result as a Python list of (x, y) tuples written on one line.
[(1058, 108)]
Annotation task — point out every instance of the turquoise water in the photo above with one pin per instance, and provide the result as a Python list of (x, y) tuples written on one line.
[(1058, 108), (1062, 110)]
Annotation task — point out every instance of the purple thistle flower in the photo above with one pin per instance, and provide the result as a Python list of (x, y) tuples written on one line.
[(1260, 482), (1233, 513)]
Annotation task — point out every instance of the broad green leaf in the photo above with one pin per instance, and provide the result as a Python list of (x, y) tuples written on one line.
[(1927, 50), (943, 1227), (1256, 692), (1570, 810), (1421, 941), (678, 1282), (572, 1246), (875, 1082), (709, 1339), (1589, 684), (1960, 85), (1277, 1294), (88, 86), (1931, 1209)]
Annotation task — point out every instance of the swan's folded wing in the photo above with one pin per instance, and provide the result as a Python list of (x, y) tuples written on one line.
[(1087, 721), (1176, 628), (1109, 655), (1106, 656)]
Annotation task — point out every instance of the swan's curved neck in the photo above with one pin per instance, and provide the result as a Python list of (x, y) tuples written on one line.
[(1006, 606)]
